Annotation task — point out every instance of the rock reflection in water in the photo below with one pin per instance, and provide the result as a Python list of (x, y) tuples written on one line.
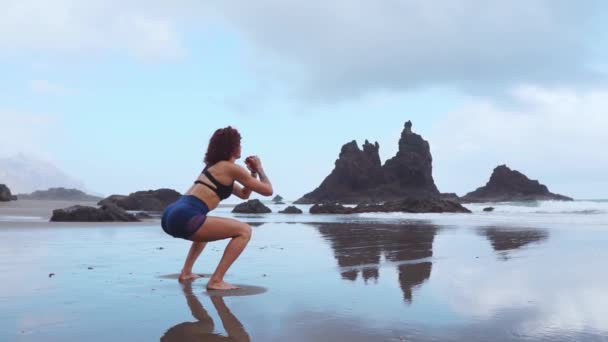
[(358, 248), (505, 239)]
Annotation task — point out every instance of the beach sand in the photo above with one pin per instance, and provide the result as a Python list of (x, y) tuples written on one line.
[(338, 280), (34, 210)]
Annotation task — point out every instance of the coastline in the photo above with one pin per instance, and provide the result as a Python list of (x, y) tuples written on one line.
[(374, 279)]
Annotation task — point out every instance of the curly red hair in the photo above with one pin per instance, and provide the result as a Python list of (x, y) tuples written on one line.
[(222, 145)]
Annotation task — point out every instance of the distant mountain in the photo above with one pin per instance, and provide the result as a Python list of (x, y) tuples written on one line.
[(59, 194), (24, 174)]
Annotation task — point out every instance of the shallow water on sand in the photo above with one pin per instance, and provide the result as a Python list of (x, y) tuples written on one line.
[(362, 280)]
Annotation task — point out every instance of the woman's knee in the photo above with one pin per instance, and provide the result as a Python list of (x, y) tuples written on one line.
[(245, 231)]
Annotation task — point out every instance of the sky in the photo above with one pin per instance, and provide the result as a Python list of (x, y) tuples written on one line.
[(124, 95)]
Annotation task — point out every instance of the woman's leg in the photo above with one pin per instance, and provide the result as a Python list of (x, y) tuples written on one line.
[(235, 329), (219, 228), (195, 251)]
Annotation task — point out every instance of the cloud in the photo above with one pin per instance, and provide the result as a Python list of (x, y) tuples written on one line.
[(45, 87), (339, 49), (345, 48), (547, 133), (146, 30), (25, 132)]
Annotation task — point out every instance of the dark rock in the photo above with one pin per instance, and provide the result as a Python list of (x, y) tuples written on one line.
[(330, 209), (409, 205), (60, 194), (278, 199), (488, 209), (51, 275), (359, 175), (151, 200), (5, 194), (251, 207), (415, 205), (506, 185), (410, 173), (449, 196), (291, 210), (143, 215), (357, 172), (79, 213)]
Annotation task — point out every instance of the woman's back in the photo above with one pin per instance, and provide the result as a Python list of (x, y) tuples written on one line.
[(214, 183)]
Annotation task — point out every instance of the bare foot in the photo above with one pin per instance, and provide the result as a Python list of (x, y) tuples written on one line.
[(188, 276), (220, 285)]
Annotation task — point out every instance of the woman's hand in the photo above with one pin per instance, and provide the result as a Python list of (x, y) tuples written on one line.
[(253, 163), (249, 165), (261, 186), (257, 163)]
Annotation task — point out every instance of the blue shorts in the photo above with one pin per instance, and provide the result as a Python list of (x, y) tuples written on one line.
[(184, 217)]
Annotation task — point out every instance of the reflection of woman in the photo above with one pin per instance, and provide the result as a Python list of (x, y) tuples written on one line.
[(202, 329), (188, 218)]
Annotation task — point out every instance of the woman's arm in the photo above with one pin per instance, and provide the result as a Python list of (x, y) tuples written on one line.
[(243, 192), (261, 186)]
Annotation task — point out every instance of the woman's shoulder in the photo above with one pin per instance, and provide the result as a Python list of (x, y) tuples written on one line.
[(225, 166)]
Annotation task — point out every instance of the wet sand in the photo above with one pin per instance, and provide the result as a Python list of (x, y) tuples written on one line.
[(320, 281), (34, 210)]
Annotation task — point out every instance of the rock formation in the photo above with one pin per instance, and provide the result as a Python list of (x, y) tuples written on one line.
[(278, 199), (79, 213), (151, 200), (331, 208), (5, 194), (506, 185), (408, 205), (253, 206), (359, 175), (410, 173), (356, 174), (59, 194), (291, 210), (449, 196)]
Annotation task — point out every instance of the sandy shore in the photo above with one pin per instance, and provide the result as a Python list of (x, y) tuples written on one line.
[(32, 210), (324, 281)]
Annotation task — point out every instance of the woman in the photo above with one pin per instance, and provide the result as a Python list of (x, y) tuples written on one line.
[(187, 217)]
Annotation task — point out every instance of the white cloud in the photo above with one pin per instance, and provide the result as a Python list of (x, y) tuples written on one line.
[(335, 49), (143, 29), (45, 87), (555, 135), (25, 132), (345, 48)]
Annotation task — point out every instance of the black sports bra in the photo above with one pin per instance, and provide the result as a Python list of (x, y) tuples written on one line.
[(222, 191)]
